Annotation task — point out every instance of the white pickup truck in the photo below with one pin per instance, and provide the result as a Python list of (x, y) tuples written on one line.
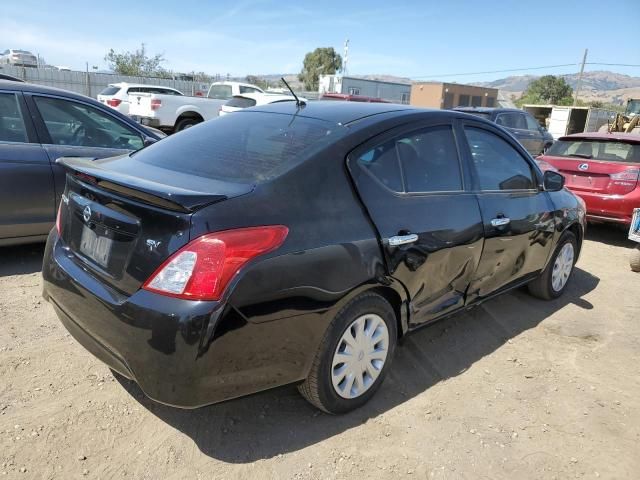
[(175, 113)]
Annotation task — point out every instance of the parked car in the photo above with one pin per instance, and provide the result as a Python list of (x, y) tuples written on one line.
[(533, 137), (603, 169), (19, 58), (38, 125), (172, 113), (275, 246), (226, 90), (351, 98), (246, 100), (116, 95)]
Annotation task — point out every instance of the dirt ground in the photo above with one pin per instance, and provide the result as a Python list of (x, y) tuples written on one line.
[(517, 388)]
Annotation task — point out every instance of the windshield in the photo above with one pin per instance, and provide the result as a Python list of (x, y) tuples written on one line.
[(246, 147), (597, 150), (633, 107)]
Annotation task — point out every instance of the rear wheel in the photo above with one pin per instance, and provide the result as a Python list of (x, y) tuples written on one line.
[(354, 356), (187, 123), (553, 280)]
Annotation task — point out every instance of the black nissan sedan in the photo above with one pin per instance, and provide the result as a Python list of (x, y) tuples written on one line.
[(286, 244)]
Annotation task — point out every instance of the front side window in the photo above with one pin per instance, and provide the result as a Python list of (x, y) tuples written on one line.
[(220, 92), (532, 123), (75, 124), (12, 127), (421, 162), (498, 165)]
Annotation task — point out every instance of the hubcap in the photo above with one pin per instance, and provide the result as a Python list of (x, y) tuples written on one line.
[(562, 267), (360, 356)]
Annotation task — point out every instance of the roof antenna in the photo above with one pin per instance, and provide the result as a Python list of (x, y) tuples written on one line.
[(299, 103)]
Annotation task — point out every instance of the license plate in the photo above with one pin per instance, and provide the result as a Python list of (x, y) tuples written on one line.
[(634, 230), (95, 247)]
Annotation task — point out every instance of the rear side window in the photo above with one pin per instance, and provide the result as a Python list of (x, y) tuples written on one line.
[(244, 89), (241, 102), (498, 165), (220, 92), (11, 124), (511, 120), (246, 147), (423, 161), (110, 90)]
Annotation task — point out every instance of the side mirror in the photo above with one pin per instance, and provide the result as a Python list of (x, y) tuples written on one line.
[(552, 181), (148, 141)]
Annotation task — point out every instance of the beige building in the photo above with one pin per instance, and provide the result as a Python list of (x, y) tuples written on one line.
[(450, 95)]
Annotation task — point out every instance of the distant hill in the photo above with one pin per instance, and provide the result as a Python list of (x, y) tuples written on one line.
[(605, 86)]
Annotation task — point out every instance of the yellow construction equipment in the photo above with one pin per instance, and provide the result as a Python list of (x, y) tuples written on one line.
[(627, 122)]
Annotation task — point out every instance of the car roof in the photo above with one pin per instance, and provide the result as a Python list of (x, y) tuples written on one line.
[(335, 112), (487, 109), (605, 136), (128, 85), (32, 87)]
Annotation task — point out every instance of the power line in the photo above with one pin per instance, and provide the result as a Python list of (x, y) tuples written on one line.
[(524, 69)]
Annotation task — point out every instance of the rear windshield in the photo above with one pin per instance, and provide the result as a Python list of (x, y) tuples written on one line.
[(597, 150), (246, 147), (241, 102), (110, 90)]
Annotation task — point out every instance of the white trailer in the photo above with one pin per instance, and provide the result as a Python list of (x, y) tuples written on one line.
[(562, 121)]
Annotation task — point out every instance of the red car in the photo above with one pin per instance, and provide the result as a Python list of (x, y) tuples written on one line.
[(603, 169)]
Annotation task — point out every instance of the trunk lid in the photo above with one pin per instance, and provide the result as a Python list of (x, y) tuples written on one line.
[(121, 226), (597, 176), (140, 104)]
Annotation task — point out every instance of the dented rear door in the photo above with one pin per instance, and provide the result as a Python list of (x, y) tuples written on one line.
[(412, 184)]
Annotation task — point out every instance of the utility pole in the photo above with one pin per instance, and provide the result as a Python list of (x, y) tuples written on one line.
[(346, 57), (578, 84)]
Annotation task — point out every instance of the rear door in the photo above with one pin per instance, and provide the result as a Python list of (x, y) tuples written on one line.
[(412, 183), (517, 215), (27, 200), (69, 128)]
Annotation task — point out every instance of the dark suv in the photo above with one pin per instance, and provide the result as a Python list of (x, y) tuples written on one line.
[(519, 123)]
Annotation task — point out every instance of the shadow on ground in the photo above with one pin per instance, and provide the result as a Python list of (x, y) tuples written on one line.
[(280, 421), (614, 235), (21, 259)]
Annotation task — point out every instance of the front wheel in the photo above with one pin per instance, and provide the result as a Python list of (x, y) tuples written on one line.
[(553, 280), (354, 356)]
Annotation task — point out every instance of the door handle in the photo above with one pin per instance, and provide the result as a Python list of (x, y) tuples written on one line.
[(403, 239), (500, 222)]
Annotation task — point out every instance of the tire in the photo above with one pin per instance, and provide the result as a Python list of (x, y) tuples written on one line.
[(634, 259), (543, 286), (545, 148), (186, 123), (323, 387)]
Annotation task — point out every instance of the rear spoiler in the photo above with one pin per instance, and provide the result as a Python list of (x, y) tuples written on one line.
[(148, 191)]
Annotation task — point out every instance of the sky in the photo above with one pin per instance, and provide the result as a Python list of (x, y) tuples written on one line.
[(422, 40)]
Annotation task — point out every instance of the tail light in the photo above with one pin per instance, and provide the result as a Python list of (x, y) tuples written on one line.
[(544, 165), (114, 102), (628, 175), (202, 269), (156, 103)]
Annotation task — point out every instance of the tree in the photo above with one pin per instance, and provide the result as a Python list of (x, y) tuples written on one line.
[(322, 61), (136, 63), (548, 89), (257, 81)]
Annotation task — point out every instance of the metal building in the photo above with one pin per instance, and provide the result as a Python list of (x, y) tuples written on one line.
[(389, 91)]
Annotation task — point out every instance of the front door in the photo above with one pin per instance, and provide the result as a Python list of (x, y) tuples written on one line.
[(413, 186), (26, 180), (69, 128), (516, 212), (516, 124)]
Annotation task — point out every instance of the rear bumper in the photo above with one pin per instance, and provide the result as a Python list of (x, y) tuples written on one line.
[(610, 208), (181, 353), (148, 121)]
